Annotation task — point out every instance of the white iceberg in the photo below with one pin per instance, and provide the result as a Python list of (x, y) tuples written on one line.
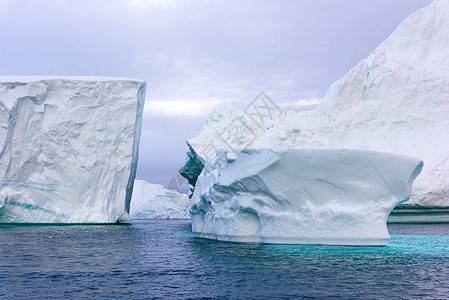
[(153, 201), (394, 101), (301, 196), (69, 148)]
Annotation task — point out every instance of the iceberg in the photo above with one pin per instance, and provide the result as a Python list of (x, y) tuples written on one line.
[(69, 148), (394, 101), (301, 196), (153, 201)]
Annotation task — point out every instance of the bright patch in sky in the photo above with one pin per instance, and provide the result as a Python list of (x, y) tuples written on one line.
[(187, 108), (300, 105), (153, 4)]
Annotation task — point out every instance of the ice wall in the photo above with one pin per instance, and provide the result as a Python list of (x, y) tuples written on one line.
[(69, 148)]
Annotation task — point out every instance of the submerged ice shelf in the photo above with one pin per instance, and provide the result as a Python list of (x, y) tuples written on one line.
[(301, 196), (69, 148)]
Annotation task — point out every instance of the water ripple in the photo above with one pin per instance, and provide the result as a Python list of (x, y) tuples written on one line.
[(162, 259)]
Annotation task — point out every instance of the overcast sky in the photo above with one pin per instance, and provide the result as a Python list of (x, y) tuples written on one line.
[(195, 55)]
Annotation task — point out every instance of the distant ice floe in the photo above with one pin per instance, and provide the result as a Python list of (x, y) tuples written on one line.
[(153, 201)]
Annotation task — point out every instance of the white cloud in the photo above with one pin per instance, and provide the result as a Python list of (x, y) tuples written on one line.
[(301, 104), (187, 108), (154, 4)]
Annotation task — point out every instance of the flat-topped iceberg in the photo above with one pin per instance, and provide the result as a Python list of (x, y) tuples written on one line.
[(153, 201), (69, 148), (301, 196)]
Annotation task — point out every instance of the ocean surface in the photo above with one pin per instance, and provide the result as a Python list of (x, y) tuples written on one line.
[(162, 259)]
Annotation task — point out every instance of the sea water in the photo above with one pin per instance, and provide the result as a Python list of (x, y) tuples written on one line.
[(162, 259)]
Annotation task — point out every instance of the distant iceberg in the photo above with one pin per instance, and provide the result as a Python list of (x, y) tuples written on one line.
[(153, 201), (69, 148), (301, 196), (394, 101)]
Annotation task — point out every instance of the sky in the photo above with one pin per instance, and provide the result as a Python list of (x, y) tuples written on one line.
[(196, 55)]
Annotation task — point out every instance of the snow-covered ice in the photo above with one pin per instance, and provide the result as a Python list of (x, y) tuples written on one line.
[(69, 148), (301, 196), (153, 201), (395, 101)]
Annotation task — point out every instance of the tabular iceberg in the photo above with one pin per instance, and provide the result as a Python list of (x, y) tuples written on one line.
[(301, 196), (69, 148), (394, 101), (153, 201)]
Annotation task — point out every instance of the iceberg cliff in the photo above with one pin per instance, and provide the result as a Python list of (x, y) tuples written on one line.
[(69, 148), (153, 201), (394, 101), (301, 196)]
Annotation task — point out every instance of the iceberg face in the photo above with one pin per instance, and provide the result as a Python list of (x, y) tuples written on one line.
[(153, 201), (301, 196), (69, 148), (394, 101)]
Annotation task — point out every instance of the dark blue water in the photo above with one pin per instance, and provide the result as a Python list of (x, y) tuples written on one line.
[(161, 259)]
